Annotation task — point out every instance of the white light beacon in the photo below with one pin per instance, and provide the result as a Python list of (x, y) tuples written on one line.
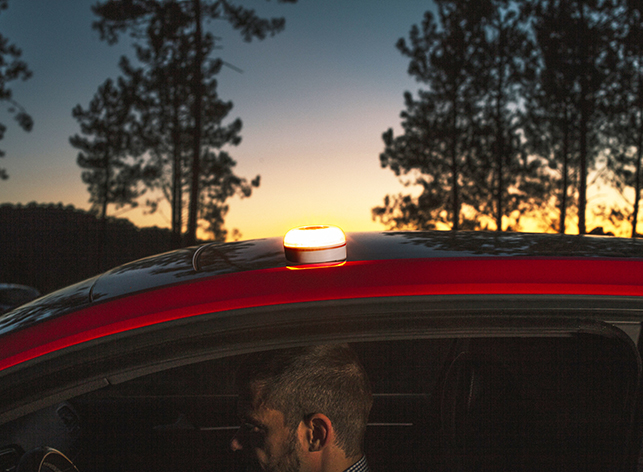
[(315, 244)]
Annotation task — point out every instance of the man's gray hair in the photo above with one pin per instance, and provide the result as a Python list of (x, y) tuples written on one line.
[(300, 382)]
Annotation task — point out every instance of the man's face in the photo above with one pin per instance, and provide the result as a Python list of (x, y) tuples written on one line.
[(265, 440)]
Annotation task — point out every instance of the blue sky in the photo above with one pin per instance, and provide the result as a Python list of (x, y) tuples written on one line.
[(314, 101)]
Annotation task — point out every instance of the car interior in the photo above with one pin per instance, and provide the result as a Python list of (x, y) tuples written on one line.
[(462, 403)]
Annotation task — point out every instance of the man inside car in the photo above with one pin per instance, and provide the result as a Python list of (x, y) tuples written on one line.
[(303, 409)]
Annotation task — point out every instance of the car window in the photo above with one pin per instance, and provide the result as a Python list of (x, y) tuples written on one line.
[(521, 403)]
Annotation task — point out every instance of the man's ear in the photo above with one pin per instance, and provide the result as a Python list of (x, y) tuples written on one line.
[(319, 432)]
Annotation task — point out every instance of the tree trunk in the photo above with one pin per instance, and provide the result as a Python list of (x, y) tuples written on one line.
[(500, 149), (582, 191), (103, 216), (639, 151), (197, 91), (565, 184), (454, 166), (177, 181), (104, 203), (584, 118), (177, 197), (637, 187)]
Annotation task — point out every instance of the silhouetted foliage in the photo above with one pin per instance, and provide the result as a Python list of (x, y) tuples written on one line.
[(111, 148), (551, 126), (507, 179), (50, 246), (585, 59), (12, 68), (438, 124), (525, 104), (184, 113), (462, 140), (574, 103), (626, 98)]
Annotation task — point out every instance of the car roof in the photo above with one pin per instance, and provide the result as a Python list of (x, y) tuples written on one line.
[(224, 276), (189, 264)]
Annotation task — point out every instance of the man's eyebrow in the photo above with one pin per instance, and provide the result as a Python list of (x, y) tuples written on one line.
[(251, 419)]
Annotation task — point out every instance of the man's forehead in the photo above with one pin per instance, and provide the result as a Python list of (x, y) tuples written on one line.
[(261, 415), (251, 402), (247, 408), (250, 393)]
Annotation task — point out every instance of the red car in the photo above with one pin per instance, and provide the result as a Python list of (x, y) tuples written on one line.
[(486, 351)]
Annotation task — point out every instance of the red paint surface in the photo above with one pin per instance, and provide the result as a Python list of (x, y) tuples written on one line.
[(365, 279)]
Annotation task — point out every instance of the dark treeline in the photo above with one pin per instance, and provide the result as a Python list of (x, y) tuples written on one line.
[(526, 110), (52, 246)]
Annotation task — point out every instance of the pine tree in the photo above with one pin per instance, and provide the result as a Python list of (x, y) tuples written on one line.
[(551, 124), (462, 134), (177, 57), (502, 70), (569, 107), (110, 149), (628, 129), (436, 144), (591, 31)]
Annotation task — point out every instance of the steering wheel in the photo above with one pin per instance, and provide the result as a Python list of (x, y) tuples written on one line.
[(45, 459)]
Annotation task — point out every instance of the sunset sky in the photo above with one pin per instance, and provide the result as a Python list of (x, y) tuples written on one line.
[(314, 101)]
